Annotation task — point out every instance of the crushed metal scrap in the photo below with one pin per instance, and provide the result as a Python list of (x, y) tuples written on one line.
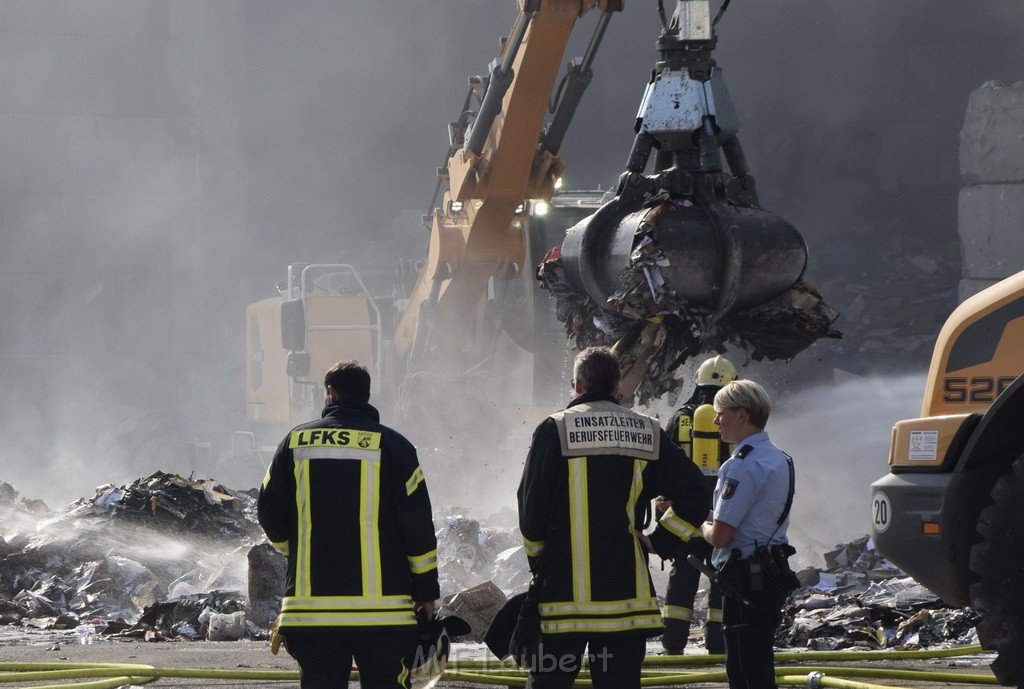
[(155, 559), (652, 322), (862, 601)]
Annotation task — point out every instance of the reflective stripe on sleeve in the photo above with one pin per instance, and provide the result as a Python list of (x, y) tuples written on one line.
[(533, 548), (414, 481), (420, 564), (281, 547), (681, 528)]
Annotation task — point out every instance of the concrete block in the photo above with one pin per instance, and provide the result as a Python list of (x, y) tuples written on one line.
[(992, 138), (268, 572), (991, 225)]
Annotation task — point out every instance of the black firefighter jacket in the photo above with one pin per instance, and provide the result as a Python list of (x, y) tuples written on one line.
[(590, 475), (344, 499)]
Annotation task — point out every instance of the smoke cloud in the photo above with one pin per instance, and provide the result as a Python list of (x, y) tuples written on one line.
[(164, 162)]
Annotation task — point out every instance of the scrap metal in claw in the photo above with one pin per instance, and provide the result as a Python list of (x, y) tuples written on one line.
[(687, 247)]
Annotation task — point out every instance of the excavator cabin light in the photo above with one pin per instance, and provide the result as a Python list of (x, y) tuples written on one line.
[(558, 183), (539, 208), (455, 207), (930, 528)]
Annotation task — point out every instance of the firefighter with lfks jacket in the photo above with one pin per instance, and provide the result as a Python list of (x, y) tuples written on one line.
[(345, 500), (590, 473), (693, 429)]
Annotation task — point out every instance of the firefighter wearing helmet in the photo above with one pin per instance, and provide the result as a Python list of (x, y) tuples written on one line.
[(693, 428)]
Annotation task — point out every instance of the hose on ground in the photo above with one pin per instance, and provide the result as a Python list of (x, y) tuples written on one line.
[(658, 671)]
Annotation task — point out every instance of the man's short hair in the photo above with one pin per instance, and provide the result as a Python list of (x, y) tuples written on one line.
[(746, 394), (597, 370), (350, 380)]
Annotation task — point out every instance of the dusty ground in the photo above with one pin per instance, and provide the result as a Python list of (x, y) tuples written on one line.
[(59, 649)]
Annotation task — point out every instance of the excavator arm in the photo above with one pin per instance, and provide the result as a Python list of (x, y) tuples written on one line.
[(499, 159)]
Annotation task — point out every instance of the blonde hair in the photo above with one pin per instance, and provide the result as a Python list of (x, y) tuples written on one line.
[(748, 395)]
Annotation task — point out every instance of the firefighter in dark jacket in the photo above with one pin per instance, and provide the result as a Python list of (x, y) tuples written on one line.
[(591, 472), (693, 428), (344, 499)]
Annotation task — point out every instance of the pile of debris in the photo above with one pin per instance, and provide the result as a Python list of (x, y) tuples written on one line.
[(168, 558), (862, 601), (103, 561)]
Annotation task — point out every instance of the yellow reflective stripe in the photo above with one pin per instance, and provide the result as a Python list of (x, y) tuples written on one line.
[(281, 547), (675, 612), (604, 607), (403, 674), (342, 619), (533, 548), (347, 602), (334, 437), (266, 478), (415, 480), (617, 624), (684, 529), (336, 453), (420, 564), (714, 614), (643, 578), (369, 533), (303, 581), (579, 531)]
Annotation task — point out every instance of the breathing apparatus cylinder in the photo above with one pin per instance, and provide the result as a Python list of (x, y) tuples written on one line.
[(707, 441)]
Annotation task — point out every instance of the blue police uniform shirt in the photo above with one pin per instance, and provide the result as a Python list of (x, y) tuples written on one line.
[(750, 496)]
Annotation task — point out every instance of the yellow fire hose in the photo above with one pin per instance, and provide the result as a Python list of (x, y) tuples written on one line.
[(658, 671)]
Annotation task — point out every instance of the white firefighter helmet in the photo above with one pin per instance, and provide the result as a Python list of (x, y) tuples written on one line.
[(716, 371), (434, 645)]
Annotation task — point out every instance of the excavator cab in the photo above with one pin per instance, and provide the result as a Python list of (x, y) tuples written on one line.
[(324, 314)]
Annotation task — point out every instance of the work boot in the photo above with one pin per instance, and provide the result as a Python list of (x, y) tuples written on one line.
[(713, 641), (673, 644)]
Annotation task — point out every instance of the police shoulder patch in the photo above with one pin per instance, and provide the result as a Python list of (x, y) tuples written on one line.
[(729, 487)]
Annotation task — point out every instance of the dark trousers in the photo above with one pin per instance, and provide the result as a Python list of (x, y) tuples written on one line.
[(614, 662), (325, 658), (683, 582), (750, 634)]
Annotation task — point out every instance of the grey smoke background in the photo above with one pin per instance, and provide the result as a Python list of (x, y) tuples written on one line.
[(163, 162)]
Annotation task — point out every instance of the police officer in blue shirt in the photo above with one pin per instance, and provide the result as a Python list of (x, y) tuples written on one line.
[(747, 528)]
